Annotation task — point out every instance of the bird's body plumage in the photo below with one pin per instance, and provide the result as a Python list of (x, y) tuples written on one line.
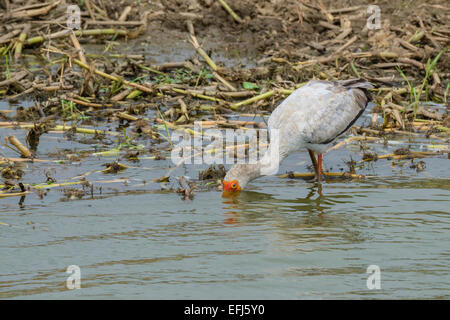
[(312, 117)]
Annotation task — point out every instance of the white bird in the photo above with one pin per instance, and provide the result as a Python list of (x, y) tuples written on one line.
[(312, 117)]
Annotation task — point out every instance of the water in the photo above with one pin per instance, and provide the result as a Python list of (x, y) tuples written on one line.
[(280, 239)]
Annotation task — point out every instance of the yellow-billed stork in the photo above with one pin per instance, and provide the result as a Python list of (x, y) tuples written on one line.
[(312, 117)]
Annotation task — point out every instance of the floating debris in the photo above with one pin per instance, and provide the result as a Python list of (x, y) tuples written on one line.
[(419, 166), (12, 171), (114, 167), (402, 151), (213, 173), (186, 188), (370, 156)]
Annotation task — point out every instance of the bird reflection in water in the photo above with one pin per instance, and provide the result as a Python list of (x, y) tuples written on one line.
[(236, 205)]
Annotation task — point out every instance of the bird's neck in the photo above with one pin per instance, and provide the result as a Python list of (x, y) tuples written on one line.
[(268, 165)]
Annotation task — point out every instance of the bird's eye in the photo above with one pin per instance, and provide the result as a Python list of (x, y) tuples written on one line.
[(233, 186)]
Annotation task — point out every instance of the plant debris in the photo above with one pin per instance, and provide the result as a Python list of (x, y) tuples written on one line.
[(212, 173), (121, 102)]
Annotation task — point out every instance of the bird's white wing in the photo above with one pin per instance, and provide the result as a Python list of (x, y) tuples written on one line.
[(318, 112)]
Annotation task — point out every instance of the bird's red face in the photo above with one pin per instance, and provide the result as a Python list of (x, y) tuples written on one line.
[(231, 186)]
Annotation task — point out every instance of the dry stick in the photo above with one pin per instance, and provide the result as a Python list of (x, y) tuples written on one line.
[(328, 25), (391, 130), (133, 94), (125, 13), (398, 117), (344, 10), (327, 174), (61, 74), (23, 150), (183, 108), (202, 53), (411, 155), (90, 104), (12, 194), (32, 6), (22, 125), (7, 37), (127, 116), (190, 27), (18, 76), (78, 33), (52, 88), (55, 185), (432, 136), (80, 50), (412, 62), (88, 6), (151, 70), (300, 15), (198, 95), (170, 65), (120, 96), (356, 55), (101, 11), (243, 123), (324, 10), (77, 46), (417, 36), (262, 96), (349, 42), (344, 34), (114, 23), (83, 130), (16, 96), (429, 114), (114, 78), (208, 60), (357, 16), (195, 91), (230, 11), (20, 41), (225, 82), (408, 45), (173, 126), (237, 94), (3, 160), (31, 13), (59, 21), (428, 35), (314, 61)]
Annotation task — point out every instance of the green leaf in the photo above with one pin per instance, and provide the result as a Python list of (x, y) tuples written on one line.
[(250, 85)]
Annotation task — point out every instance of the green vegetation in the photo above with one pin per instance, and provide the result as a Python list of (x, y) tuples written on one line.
[(71, 112), (416, 93)]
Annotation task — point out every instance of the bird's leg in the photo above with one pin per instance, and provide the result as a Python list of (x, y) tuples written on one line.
[(319, 166), (314, 162)]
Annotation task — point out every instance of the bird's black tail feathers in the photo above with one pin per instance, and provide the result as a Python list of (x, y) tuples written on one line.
[(359, 83)]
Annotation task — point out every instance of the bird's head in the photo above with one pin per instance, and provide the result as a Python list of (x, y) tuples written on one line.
[(237, 178), (231, 186)]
